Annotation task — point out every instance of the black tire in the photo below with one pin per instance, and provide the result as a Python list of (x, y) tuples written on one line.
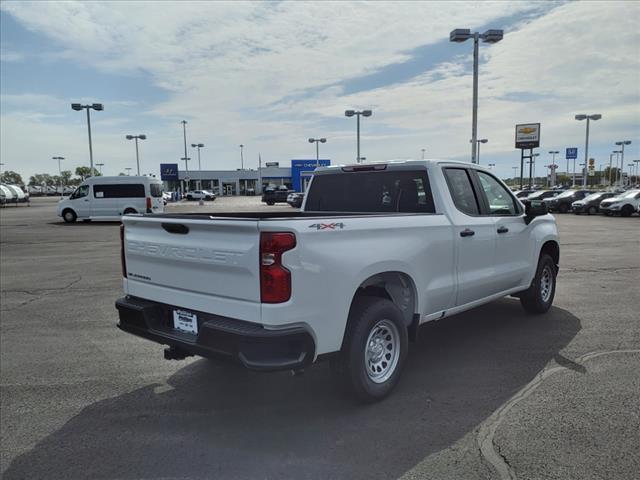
[(189, 197), (592, 210), (129, 210), (69, 215), (538, 298), (563, 208), (371, 374), (626, 211), (271, 203)]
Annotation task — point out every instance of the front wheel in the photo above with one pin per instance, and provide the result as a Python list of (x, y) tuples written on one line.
[(592, 210), (69, 216), (374, 349), (626, 211), (539, 296)]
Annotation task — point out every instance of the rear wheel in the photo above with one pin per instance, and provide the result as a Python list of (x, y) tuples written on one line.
[(189, 197), (129, 210), (69, 216), (374, 349), (592, 210), (539, 296), (271, 203), (626, 211)]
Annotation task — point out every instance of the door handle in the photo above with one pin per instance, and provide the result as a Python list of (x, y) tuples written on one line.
[(503, 230), (467, 233)]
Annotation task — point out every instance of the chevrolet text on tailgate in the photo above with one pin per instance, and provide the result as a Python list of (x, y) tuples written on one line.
[(375, 251)]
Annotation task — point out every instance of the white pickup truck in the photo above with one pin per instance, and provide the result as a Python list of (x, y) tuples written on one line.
[(376, 250)]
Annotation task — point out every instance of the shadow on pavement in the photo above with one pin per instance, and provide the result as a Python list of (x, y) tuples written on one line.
[(219, 421)]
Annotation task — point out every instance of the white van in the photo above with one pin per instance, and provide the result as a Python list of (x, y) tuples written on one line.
[(108, 198)]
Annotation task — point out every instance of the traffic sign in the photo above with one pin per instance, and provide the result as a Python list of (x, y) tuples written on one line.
[(572, 153)]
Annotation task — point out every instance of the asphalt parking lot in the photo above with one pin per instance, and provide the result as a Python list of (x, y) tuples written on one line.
[(491, 393)]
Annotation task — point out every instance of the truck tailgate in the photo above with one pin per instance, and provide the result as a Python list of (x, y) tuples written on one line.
[(207, 265)]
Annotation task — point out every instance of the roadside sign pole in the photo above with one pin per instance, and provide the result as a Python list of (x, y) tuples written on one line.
[(521, 168)]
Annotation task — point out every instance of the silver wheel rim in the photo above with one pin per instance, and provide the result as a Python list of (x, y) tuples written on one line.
[(68, 216), (546, 284), (382, 351)]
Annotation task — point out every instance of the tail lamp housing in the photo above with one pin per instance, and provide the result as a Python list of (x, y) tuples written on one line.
[(275, 279)]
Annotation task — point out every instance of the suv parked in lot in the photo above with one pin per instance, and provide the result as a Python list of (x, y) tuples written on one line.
[(562, 202), (591, 203), (273, 195), (540, 195), (376, 251), (200, 195), (295, 199), (624, 204)]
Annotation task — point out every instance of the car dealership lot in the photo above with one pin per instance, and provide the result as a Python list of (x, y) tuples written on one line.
[(490, 393)]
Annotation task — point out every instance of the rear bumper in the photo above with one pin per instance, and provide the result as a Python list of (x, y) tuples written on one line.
[(219, 337)]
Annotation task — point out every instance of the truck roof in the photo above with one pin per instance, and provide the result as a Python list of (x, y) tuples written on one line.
[(396, 164)]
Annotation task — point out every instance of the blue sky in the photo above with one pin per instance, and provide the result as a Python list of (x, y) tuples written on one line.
[(269, 75)]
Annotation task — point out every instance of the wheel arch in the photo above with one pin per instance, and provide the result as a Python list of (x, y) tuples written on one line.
[(396, 286), (551, 248)]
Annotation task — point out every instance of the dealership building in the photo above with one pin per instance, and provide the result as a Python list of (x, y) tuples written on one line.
[(241, 181)]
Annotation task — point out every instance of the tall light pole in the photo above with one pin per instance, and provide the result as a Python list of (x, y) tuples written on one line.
[(357, 113), (128, 169), (515, 174), (460, 35), (422, 150), (199, 146), (95, 106), (630, 165), (136, 138), (241, 156), (59, 159), (621, 144), (484, 140), (637, 162), (580, 117), (553, 154), (317, 141), (185, 158), (100, 165)]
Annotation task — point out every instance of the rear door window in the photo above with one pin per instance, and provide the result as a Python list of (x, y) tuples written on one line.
[(462, 191), (124, 190), (371, 192)]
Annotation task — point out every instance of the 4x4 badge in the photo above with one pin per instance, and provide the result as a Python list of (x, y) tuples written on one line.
[(327, 226)]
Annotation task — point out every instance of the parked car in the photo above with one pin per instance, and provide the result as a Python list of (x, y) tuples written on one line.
[(591, 203), (9, 196), (200, 195), (523, 193), (540, 195), (108, 198), (562, 202), (18, 193), (295, 199), (350, 278), (624, 204), (273, 195)]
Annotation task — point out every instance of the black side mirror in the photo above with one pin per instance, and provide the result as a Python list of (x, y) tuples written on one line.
[(533, 209)]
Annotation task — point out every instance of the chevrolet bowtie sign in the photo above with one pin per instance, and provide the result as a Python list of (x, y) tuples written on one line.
[(528, 135)]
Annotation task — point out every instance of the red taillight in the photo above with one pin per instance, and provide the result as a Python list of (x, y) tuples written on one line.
[(149, 205), (123, 262), (275, 280)]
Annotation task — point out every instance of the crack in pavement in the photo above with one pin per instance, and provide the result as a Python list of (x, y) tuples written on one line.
[(488, 428), (37, 294)]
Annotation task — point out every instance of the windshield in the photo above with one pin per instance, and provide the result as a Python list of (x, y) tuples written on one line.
[(566, 194), (629, 194), (593, 196)]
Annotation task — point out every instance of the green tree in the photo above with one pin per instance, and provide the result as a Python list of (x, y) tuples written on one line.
[(11, 177), (84, 172), (66, 176)]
